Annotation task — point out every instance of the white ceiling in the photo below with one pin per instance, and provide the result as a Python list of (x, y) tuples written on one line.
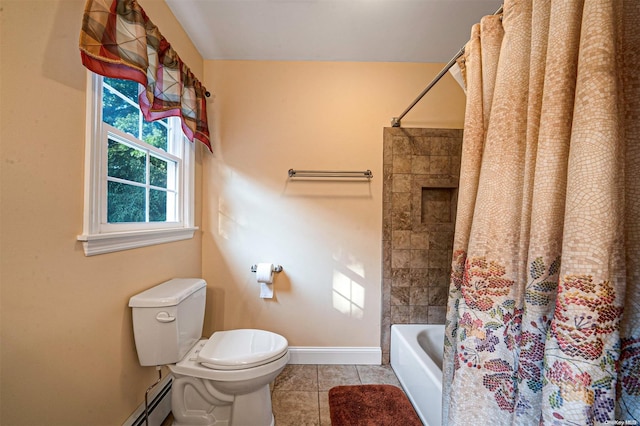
[(330, 30)]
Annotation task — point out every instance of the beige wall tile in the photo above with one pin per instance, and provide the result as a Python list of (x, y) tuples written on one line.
[(422, 207)]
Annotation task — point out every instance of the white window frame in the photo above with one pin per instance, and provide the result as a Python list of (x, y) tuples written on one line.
[(100, 237)]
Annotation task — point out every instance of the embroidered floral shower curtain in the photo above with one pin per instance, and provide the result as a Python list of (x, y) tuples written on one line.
[(543, 320)]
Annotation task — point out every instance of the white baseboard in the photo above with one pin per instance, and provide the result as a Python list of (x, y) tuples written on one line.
[(335, 355), (159, 405)]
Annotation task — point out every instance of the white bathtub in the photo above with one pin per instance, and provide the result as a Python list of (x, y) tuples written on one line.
[(416, 358)]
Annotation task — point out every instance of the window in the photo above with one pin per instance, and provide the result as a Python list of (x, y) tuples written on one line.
[(139, 174)]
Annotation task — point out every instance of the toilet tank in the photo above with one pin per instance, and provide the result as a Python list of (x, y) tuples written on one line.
[(168, 319)]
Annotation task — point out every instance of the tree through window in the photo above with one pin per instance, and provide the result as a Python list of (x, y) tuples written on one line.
[(141, 184)]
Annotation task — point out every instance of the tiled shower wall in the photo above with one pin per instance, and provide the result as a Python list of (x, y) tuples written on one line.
[(420, 188)]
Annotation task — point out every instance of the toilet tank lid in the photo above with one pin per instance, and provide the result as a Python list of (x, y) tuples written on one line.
[(169, 293)]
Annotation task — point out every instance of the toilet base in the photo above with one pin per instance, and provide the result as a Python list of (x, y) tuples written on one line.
[(208, 397), (195, 401), (273, 423)]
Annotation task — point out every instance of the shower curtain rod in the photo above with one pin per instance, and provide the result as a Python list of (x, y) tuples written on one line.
[(395, 121)]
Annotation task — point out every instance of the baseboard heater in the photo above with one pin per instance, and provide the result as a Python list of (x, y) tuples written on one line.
[(159, 406)]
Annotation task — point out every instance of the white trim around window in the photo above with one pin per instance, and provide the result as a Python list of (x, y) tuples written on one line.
[(99, 237)]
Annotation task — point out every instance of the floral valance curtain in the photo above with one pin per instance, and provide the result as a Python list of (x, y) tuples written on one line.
[(119, 41)]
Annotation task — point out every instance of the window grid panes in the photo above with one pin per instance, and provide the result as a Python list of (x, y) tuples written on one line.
[(141, 180), (120, 110), (139, 177)]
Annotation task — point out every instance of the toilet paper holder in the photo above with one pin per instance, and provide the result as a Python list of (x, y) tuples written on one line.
[(276, 268)]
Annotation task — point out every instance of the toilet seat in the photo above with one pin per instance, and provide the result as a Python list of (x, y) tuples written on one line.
[(241, 349), (189, 366)]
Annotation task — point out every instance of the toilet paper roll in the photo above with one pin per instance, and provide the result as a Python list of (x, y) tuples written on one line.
[(264, 273)]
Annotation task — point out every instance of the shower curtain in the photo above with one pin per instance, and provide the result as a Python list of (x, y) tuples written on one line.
[(543, 317)]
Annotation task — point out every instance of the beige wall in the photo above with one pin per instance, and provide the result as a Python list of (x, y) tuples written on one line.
[(273, 116), (67, 356)]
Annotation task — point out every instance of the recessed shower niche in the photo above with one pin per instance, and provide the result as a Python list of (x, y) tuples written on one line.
[(435, 202), (438, 205), (421, 170)]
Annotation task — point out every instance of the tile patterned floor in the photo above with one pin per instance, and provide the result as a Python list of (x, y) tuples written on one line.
[(300, 394)]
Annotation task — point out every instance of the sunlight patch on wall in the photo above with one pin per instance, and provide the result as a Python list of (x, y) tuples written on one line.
[(234, 191), (226, 224), (348, 294)]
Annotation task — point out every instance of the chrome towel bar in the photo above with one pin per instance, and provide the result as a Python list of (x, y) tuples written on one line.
[(366, 174)]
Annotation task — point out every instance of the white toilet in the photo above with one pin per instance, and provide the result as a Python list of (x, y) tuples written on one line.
[(221, 381)]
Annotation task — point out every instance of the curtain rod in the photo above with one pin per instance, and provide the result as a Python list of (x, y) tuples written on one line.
[(395, 121)]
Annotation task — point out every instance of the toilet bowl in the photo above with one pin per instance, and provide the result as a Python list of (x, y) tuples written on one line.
[(225, 379), (220, 381)]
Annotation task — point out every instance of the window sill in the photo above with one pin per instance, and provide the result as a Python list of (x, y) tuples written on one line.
[(117, 241)]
